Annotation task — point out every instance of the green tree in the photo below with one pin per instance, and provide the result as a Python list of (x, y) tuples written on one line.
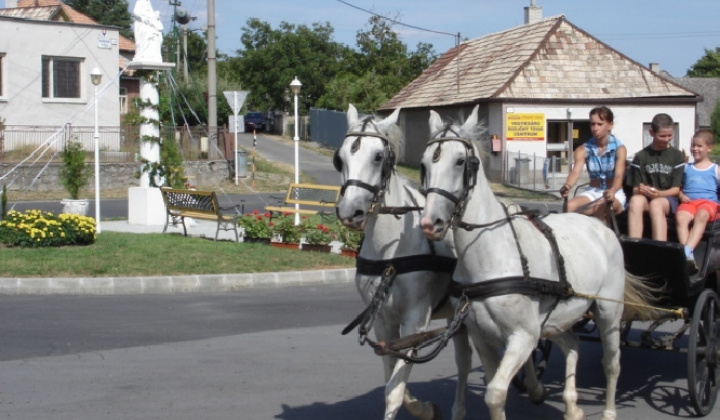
[(270, 59), (707, 66), (380, 68), (715, 123), (196, 51), (106, 12)]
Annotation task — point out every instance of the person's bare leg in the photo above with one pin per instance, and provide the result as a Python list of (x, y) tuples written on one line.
[(638, 206), (659, 209)]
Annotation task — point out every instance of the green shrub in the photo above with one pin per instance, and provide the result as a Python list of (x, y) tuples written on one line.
[(36, 228), (74, 174)]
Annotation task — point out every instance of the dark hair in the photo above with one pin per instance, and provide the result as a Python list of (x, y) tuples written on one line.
[(706, 135), (603, 112), (661, 121)]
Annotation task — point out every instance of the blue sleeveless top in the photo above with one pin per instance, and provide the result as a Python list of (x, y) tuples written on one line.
[(700, 183), (601, 167)]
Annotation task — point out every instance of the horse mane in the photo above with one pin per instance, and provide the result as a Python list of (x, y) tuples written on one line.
[(477, 134)]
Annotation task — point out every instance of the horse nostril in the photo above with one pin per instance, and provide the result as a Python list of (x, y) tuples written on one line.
[(359, 213), (439, 222)]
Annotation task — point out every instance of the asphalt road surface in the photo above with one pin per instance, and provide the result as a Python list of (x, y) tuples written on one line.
[(259, 354)]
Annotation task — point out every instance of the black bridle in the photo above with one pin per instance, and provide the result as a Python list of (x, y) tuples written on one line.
[(472, 165)]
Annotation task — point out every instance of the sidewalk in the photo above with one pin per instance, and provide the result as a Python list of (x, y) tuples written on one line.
[(210, 283)]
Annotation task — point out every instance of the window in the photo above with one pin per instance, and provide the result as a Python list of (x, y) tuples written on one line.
[(647, 138), (123, 100), (60, 77), (2, 55)]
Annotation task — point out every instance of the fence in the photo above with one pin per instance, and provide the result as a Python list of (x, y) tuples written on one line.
[(533, 172), (116, 144)]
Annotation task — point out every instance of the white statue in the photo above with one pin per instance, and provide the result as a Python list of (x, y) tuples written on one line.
[(148, 32)]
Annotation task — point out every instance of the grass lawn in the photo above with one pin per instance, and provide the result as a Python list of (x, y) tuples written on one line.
[(116, 254)]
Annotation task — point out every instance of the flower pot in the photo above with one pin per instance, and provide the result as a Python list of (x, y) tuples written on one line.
[(316, 247), (348, 252), (285, 245), (75, 206), (265, 241)]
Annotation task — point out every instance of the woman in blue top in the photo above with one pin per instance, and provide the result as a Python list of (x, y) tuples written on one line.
[(604, 157)]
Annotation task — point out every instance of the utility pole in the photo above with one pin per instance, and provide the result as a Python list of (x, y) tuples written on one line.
[(212, 72)]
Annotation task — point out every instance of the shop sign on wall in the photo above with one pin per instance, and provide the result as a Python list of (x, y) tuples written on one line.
[(525, 126)]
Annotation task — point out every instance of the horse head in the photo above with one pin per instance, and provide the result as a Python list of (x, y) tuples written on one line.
[(449, 170), (366, 160)]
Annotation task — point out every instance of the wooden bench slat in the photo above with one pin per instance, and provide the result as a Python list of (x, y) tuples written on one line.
[(325, 197)]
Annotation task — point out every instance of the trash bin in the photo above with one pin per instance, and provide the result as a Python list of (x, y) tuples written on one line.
[(522, 170), (242, 163)]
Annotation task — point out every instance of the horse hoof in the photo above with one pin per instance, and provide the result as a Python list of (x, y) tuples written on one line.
[(437, 415), (537, 400)]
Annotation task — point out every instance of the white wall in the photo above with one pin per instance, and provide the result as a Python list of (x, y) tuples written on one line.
[(24, 43), (628, 126)]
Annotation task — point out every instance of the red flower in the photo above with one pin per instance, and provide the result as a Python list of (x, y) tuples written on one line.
[(255, 212)]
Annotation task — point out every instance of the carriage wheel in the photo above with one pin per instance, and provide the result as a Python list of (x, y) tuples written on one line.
[(539, 358), (704, 353)]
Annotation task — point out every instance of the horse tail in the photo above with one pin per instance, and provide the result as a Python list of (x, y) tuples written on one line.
[(640, 295)]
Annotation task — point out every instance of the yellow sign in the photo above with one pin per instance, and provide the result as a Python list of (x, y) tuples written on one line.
[(525, 127)]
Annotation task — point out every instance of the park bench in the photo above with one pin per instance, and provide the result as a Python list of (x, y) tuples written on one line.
[(315, 199), (180, 203)]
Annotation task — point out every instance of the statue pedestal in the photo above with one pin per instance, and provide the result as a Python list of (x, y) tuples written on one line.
[(146, 206)]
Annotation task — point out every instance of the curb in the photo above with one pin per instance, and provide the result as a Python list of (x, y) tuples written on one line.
[(206, 283)]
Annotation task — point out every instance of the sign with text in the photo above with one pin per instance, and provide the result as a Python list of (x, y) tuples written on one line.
[(525, 127)]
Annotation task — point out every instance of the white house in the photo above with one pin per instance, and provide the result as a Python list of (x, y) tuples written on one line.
[(45, 65), (535, 85)]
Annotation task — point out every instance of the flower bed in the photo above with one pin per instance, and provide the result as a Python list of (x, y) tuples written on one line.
[(36, 228), (257, 225)]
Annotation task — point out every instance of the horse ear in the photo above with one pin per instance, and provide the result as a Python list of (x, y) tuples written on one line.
[(352, 115), (472, 120), (436, 123), (388, 122)]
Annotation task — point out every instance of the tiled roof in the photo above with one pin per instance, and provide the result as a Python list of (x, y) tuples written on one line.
[(550, 59), (73, 16), (36, 13)]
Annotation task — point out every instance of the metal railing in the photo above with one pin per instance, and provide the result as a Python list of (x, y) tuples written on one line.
[(116, 144)]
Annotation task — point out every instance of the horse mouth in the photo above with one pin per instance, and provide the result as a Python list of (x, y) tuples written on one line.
[(433, 233), (354, 224)]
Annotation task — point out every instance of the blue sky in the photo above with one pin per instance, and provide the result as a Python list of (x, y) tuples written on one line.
[(672, 33)]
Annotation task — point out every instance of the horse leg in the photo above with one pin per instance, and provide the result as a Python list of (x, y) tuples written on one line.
[(519, 347), (536, 391), (396, 392), (608, 323), (387, 333), (569, 343), (463, 361)]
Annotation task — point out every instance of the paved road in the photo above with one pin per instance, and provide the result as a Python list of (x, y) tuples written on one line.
[(257, 354)]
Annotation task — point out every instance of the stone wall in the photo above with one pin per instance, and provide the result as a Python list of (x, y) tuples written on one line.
[(204, 174)]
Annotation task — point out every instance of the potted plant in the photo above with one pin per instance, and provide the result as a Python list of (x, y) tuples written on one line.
[(257, 226), (318, 238), (288, 233), (74, 176), (350, 238)]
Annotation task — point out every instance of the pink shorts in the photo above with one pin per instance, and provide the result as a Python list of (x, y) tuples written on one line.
[(695, 205)]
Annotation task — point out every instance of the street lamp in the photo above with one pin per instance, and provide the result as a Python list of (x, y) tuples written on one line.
[(96, 78), (295, 86)]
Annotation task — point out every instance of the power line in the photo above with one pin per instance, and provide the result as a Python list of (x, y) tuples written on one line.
[(456, 36)]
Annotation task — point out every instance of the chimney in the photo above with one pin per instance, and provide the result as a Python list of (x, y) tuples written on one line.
[(655, 67), (10, 4), (533, 14)]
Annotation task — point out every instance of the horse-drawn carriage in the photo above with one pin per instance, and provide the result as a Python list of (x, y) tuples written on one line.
[(520, 277)]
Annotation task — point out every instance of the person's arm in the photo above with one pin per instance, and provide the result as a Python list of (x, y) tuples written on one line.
[(579, 162), (620, 162)]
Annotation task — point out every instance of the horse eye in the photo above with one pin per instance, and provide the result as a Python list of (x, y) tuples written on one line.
[(460, 162), (378, 158)]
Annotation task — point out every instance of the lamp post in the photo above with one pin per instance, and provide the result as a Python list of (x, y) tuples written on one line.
[(295, 86), (96, 78)]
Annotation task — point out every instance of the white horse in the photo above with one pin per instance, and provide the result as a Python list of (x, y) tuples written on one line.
[(512, 277), (366, 162)]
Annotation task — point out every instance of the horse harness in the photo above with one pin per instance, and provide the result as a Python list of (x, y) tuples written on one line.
[(524, 284), (388, 167)]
